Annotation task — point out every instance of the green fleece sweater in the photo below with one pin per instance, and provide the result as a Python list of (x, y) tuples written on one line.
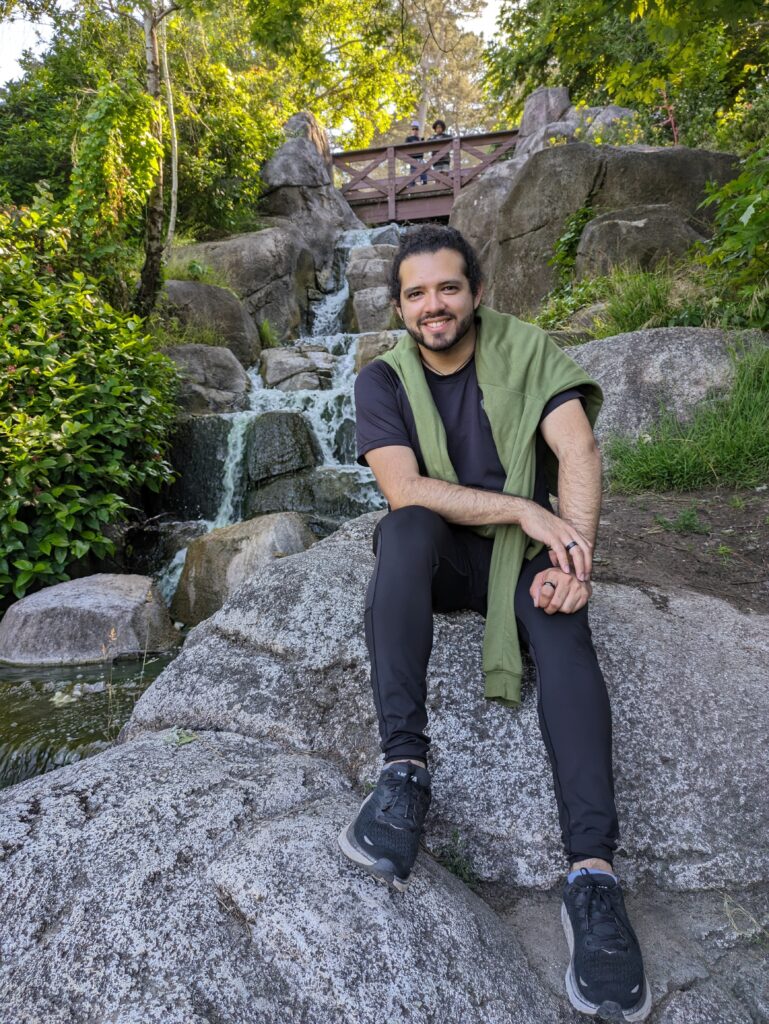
[(519, 369)]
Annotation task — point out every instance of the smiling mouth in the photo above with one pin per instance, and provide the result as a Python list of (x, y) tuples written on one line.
[(437, 323)]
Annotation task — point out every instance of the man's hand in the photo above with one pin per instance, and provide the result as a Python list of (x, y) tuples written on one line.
[(556, 591), (539, 524)]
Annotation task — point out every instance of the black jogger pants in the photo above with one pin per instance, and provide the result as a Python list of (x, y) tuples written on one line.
[(424, 564)]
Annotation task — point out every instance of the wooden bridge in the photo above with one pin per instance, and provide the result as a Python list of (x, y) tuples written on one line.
[(416, 181)]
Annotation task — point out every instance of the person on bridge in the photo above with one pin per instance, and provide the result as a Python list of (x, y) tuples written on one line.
[(414, 136), (440, 134), (468, 424)]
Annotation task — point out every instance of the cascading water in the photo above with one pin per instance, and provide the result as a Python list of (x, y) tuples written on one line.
[(327, 410)]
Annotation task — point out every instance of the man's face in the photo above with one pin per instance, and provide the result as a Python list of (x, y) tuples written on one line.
[(436, 304)]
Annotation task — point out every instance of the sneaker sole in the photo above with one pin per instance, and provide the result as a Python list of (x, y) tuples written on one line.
[(608, 1011), (383, 870)]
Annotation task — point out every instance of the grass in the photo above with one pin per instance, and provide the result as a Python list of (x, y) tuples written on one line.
[(170, 331), (726, 443), (453, 856), (687, 521), (180, 269)]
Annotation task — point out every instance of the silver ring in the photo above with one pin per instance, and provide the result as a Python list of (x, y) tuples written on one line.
[(549, 583), (570, 545)]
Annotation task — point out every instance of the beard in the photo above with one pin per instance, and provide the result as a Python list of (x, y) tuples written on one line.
[(447, 339)]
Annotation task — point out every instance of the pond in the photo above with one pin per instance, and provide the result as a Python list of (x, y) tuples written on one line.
[(50, 717)]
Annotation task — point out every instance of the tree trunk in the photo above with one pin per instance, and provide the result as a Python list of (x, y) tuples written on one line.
[(152, 271), (174, 142)]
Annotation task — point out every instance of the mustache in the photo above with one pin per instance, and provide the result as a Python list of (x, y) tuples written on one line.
[(435, 316)]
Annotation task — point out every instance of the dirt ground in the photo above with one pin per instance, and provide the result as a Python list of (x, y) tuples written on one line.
[(715, 542)]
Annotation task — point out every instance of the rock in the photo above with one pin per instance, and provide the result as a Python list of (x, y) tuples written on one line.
[(212, 379), (373, 310), (476, 209), (198, 305), (683, 793), (150, 546), (639, 236), (281, 365), (89, 620), (369, 346), (555, 133), (704, 1003), (198, 455), (277, 443), (542, 107), (593, 121), (672, 368), (331, 492), (299, 189), (558, 181), (588, 317), (270, 270), (369, 266), (218, 562), (388, 234), (211, 860)]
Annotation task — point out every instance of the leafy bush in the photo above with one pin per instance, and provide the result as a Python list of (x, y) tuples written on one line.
[(85, 404), (725, 444), (738, 255)]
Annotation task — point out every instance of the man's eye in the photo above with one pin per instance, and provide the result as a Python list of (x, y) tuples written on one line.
[(450, 288)]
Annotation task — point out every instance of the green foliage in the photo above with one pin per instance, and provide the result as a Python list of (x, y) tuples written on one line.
[(85, 403), (738, 255), (180, 269), (565, 249), (726, 443), (682, 66), (267, 335), (454, 857), (687, 521), (566, 300)]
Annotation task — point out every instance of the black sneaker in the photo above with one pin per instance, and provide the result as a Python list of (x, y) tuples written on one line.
[(606, 975), (384, 838)]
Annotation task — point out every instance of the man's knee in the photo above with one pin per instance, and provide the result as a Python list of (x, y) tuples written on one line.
[(410, 528)]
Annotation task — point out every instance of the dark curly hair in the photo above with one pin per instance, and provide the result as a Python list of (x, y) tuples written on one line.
[(431, 238)]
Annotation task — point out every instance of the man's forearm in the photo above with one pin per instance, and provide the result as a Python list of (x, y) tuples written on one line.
[(579, 490), (466, 506)]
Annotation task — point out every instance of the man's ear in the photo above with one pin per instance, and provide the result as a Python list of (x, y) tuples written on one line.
[(478, 297), (397, 309)]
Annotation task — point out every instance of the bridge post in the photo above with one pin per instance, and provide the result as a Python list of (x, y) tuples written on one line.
[(391, 182), (456, 165)]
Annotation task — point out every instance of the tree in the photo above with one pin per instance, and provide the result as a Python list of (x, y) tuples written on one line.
[(691, 60)]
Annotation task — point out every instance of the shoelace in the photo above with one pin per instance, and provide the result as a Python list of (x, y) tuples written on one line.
[(601, 918), (401, 798)]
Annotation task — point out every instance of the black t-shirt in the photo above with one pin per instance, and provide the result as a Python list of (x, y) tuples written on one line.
[(384, 417)]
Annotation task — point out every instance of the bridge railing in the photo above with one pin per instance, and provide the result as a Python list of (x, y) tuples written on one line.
[(395, 182)]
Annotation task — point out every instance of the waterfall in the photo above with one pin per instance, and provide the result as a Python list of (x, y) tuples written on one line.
[(327, 410)]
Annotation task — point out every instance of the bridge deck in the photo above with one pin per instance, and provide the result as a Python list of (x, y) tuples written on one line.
[(385, 184)]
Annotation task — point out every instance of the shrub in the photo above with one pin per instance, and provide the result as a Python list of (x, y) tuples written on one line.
[(725, 444), (738, 255), (85, 404)]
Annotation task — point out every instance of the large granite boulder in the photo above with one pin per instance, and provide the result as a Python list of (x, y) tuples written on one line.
[(299, 188), (331, 493), (204, 306), (270, 270), (542, 107), (277, 443), (211, 379), (556, 182), (639, 236), (372, 310), (220, 561), (687, 681), (369, 346), (303, 366), (199, 449), (84, 621), (183, 879), (368, 266), (644, 372), (476, 209)]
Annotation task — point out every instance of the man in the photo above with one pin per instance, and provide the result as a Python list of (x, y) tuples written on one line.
[(443, 163), (414, 136), (466, 425)]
